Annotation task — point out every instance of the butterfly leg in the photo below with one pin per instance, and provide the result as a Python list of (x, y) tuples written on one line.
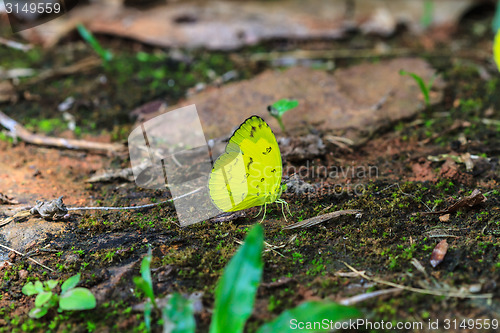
[(260, 210), (263, 216), (284, 203), (283, 211), (288, 208)]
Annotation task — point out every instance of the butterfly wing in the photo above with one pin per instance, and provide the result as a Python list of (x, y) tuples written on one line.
[(249, 173)]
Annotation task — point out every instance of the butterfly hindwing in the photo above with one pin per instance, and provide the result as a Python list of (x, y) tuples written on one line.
[(249, 173)]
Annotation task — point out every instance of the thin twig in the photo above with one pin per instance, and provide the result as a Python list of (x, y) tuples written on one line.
[(79, 67), (321, 218), (19, 131), (36, 262), (15, 45), (363, 297), (418, 290)]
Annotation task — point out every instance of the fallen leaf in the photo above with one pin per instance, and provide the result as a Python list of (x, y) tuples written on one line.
[(444, 218), (228, 25), (472, 200), (439, 252)]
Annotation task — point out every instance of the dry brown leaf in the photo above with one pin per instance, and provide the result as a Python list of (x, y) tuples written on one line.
[(233, 24), (439, 252), (472, 200), (444, 218)]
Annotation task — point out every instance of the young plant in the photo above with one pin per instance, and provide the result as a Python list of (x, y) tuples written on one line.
[(427, 16), (280, 107), (71, 298), (235, 298), (145, 283), (178, 313), (424, 88), (105, 55)]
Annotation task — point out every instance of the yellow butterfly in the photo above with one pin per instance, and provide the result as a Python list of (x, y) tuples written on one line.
[(248, 173)]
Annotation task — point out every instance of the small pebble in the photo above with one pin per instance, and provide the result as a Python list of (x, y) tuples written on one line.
[(23, 274)]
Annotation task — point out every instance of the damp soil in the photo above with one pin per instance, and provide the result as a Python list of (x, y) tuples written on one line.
[(390, 179)]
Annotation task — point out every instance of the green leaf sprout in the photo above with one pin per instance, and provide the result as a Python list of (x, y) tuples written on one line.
[(71, 298), (424, 88), (280, 107), (105, 55)]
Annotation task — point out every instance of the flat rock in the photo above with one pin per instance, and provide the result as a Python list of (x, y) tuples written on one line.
[(354, 102), (18, 235)]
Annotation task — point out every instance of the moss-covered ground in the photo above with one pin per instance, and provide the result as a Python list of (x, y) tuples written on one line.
[(383, 241)]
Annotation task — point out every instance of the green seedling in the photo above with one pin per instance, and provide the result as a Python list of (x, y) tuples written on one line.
[(106, 55), (278, 109), (235, 298), (427, 16), (425, 88), (71, 298), (145, 283)]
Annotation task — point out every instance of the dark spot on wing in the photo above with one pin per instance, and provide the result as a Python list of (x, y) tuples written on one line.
[(262, 179), (273, 170), (249, 163), (268, 150), (252, 131)]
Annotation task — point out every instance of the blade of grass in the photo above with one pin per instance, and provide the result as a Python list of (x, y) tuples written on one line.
[(145, 282), (235, 293), (423, 87), (106, 55)]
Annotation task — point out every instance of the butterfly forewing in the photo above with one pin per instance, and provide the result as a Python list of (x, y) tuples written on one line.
[(249, 173)]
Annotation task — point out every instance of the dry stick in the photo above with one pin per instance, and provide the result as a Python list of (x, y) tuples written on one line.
[(19, 131), (361, 53), (36, 262), (363, 297), (417, 290), (81, 66), (15, 45)]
